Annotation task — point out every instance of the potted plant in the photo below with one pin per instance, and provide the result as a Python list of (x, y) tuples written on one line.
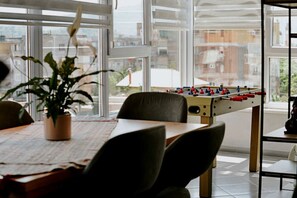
[(57, 93)]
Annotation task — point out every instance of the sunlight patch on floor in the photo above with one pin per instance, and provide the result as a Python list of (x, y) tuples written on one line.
[(236, 160)]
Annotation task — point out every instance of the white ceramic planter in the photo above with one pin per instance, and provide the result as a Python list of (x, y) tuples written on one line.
[(60, 131)]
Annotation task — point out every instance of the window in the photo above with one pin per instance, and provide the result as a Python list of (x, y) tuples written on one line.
[(129, 54), (46, 29), (277, 55), (165, 60), (148, 55), (55, 39), (154, 38), (227, 42), (128, 23)]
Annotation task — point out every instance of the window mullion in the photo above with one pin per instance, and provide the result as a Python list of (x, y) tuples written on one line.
[(35, 49)]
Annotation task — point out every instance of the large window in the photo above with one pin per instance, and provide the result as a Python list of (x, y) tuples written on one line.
[(55, 40), (277, 54), (227, 43), (34, 32), (154, 46), (147, 47)]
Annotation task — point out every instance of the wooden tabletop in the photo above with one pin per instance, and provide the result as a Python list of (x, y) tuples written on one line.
[(36, 185), (173, 129)]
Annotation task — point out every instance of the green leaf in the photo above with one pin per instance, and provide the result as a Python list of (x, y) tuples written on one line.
[(31, 58), (51, 61), (83, 93)]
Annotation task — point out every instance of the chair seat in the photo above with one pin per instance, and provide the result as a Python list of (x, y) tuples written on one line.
[(174, 192), (125, 166), (188, 157)]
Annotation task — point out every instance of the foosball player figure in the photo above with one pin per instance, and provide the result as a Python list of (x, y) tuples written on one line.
[(193, 91), (201, 91), (221, 87), (291, 124), (180, 90)]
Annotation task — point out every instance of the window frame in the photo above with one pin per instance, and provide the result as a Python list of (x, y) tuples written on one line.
[(274, 52)]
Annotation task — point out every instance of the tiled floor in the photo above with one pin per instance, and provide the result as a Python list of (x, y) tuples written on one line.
[(231, 178)]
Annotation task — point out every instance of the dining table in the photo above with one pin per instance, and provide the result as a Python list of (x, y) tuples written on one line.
[(31, 166)]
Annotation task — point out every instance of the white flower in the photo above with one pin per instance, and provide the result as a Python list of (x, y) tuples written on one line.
[(73, 28), (75, 41)]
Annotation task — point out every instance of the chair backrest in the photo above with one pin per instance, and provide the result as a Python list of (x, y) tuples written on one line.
[(127, 164), (189, 156), (10, 115), (158, 106)]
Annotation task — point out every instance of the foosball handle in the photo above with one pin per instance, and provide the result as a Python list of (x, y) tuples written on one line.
[(243, 97), (260, 93), (236, 98), (249, 95)]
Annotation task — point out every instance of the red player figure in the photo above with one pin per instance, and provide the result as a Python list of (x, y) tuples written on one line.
[(201, 91), (193, 90), (180, 91)]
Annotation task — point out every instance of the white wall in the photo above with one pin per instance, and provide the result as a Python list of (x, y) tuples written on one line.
[(238, 127)]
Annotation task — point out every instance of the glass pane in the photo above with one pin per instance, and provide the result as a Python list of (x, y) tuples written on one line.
[(280, 31), (228, 57), (127, 80), (13, 44), (278, 79), (128, 23), (165, 71), (55, 40)]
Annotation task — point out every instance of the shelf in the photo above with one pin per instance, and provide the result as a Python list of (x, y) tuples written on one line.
[(283, 169), (292, 98), (282, 3), (279, 136), (293, 35)]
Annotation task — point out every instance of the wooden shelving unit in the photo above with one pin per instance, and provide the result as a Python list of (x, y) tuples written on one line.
[(282, 168)]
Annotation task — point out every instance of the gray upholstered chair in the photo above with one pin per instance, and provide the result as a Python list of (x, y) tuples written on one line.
[(10, 115), (173, 192), (125, 166), (158, 106), (188, 157)]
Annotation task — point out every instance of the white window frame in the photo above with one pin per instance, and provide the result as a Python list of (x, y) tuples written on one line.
[(274, 52)]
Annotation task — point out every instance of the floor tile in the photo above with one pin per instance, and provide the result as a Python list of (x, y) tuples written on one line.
[(232, 179)]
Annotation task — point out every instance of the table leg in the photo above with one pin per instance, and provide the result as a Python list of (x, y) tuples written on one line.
[(206, 178), (255, 140)]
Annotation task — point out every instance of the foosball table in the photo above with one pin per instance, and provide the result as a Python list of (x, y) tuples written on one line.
[(211, 101)]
